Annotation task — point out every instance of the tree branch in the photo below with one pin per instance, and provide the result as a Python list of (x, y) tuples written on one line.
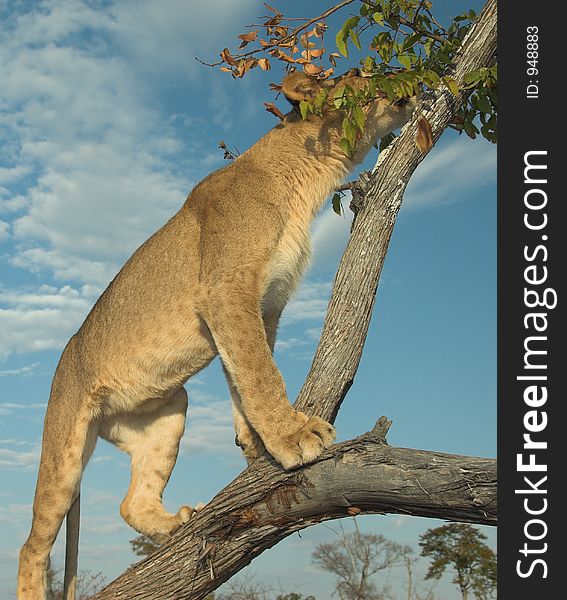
[(264, 504), (287, 38), (348, 316)]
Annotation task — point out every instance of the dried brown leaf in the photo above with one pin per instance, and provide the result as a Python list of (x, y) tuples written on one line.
[(250, 63), (317, 52), (227, 57), (280, 31), (273, 22), (272, 108), (311, 69), (248, 37), (286, 57), (271, 8), (424, 136)]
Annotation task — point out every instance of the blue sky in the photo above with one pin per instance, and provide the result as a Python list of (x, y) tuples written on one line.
[(106, 123)]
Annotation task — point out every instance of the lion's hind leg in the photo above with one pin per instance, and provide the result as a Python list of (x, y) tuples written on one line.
[(151, 438), (67, 447)]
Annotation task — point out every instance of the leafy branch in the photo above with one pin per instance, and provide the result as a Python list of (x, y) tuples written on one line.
[(410, 51)]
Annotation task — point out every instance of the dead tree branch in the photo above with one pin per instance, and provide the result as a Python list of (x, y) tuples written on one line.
[(265, 504)]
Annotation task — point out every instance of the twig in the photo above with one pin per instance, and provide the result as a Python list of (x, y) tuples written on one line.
[(287, 38)]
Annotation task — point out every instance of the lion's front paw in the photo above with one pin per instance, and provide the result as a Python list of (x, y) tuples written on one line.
[(306, 444), (186, 512)]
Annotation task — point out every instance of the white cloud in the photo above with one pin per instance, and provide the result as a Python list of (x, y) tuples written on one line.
[(15, 513), (9, 175), (451, 171), (292, 343), (169, 34), (43, 318), (330, 235), (209, 426), (14, 406), (309, 304), (96, 159), (14, 204), (19, 456), (4, 231), (104, 524)]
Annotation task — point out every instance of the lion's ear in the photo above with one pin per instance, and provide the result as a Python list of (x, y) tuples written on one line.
[(298, 87)]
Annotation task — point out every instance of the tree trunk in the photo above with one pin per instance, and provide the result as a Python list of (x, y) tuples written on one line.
[(265, 504)]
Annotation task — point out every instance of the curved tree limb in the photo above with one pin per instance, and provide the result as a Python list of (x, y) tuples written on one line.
[(264, 504)]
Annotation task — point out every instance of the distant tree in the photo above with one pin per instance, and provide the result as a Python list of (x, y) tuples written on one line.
[(245, 588), (355, 558), (462, 548), (143, 545), (88, 583), (248, 588), (414, 589)]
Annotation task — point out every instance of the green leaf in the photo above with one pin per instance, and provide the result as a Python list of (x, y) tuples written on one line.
[(452, 85), (470, 129), (339, 97), (349, 131), (431, 78), (369, 64), (351, 22), (483, 104), (359, 117), (404, 60), (379, 18), (387, 86), (336, 202), (305, 108), (342, 43), (354, 38), (472, 78), (320, 98), (345, 147), (411, 41)]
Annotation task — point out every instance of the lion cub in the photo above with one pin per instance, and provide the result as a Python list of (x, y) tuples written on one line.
[(213, 280)]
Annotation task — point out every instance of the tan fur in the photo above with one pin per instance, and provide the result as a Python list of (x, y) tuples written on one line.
[(213, 280)]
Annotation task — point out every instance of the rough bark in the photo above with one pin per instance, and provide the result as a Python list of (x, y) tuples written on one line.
[(265, 504)]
